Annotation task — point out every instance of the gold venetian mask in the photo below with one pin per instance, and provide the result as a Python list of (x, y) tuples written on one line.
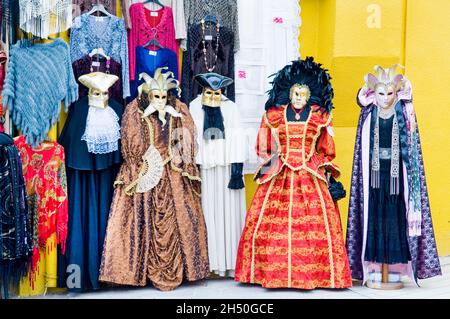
[(98, 84), (299, 95), (98, 98), (212, 97)]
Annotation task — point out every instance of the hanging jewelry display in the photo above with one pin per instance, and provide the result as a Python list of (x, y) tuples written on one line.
[(205, 51)]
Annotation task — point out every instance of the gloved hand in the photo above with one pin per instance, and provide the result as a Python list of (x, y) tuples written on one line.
[(336, 189), (237, 179)]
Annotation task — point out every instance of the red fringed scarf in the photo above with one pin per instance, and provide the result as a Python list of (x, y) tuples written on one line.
[(45, 177)]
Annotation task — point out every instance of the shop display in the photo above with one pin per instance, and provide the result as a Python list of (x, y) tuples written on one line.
[(389, 232), (163, 239), (134, 125), (90, 177), (221, 156), (292, 236)]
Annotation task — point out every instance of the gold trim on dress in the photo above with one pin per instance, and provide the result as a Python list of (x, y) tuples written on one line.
[(260, 217), (291, 198), (327, 227)]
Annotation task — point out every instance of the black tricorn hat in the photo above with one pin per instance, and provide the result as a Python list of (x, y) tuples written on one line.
[(213, 80)]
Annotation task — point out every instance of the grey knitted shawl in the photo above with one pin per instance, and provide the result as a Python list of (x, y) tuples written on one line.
[(38, 78)]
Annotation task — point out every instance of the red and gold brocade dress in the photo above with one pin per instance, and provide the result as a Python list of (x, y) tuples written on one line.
[(293, 236)]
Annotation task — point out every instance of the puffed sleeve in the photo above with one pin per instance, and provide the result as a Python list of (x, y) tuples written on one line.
[(266, 141), (326, 149)]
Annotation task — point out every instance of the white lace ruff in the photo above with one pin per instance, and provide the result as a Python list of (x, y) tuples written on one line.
[(151, 171), (102, 131)]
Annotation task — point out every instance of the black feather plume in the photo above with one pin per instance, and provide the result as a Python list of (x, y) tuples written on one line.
[(303, 72)]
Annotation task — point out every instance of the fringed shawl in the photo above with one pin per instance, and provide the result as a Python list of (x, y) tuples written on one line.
[(44, 17), (38, 79)]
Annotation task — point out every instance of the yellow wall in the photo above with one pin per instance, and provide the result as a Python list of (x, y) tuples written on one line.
[(428, 68), (349, 39)]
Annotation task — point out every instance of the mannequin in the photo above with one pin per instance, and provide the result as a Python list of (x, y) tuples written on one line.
[(222, 152), (390, 232), (156, 230), (91, 140), (102, 124), (292, 236)]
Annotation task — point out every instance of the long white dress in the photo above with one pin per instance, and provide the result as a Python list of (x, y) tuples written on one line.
[(224, 209)]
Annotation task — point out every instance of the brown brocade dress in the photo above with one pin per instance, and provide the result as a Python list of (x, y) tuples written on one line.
[(157, 236)]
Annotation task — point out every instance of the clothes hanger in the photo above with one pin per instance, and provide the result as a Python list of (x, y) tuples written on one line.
[(99, 8), (99, 51), (210, 18), (155, 2), (153, 42)]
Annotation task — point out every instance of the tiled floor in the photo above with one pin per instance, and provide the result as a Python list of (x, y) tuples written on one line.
[(438, 287)]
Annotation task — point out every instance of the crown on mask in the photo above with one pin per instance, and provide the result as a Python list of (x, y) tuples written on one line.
[(387, 77), (161, 81)]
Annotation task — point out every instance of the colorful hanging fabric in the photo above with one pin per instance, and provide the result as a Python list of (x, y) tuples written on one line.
[(45, 177), (44, 17), (15, 227)]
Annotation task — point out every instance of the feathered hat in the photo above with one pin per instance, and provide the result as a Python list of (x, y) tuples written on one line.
[(302, 72)]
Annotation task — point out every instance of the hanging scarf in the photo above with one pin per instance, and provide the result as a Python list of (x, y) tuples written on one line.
[(213, 126), (44, 17), (15, 229), (395, 157), (9, 17)]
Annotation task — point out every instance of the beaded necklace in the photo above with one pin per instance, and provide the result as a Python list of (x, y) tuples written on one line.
[(210, 69)]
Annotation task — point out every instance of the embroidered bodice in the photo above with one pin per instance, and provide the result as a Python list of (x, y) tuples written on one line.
[(297, 145)]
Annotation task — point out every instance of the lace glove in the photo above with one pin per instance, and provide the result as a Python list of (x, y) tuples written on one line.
[(237, 179)]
